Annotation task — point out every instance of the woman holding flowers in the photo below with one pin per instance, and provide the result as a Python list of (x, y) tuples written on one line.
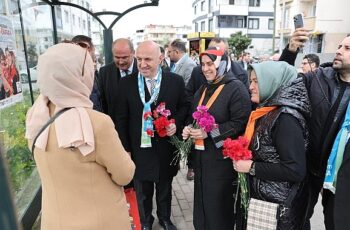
[(278, 140), (221, 108)]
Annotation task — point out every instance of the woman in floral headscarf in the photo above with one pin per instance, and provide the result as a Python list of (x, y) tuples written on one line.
[(80, 159), (230, 106)]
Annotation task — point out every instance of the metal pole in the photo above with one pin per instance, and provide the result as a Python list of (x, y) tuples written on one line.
[(25, 52), (282, 27), (274, 27), (54, 26), (108, 40)]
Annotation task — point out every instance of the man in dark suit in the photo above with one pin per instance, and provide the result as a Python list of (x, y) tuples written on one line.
[(138, 94), (124, 64), (245, 61)]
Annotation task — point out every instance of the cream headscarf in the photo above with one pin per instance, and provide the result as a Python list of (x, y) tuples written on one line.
[(60, 81)]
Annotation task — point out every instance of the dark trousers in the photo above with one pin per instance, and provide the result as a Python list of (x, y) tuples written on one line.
[(144, 194), (190, 159), (315, 185)]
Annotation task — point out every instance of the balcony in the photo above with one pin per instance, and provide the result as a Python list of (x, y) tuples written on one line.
[(285, 31), (285, 1), (310, 23), (233, 10)]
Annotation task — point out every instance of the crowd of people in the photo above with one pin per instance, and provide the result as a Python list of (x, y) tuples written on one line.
[(297, 126)]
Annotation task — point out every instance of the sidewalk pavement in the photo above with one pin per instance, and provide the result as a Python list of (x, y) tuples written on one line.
[(182, 206)]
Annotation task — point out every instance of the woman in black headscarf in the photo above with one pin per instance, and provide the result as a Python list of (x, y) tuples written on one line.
[(214, 178)]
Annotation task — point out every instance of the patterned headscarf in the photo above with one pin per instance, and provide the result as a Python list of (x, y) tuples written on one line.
[(221, 61)]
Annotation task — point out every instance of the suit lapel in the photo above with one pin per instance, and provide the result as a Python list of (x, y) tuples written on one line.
[(163, 87), (134, 68), (179, 67)]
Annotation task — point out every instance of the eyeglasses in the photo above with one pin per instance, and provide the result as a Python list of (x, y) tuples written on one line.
[(85, 46), (82, 44)]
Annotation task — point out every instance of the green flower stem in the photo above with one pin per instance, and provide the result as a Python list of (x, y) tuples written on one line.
[(242, 183)]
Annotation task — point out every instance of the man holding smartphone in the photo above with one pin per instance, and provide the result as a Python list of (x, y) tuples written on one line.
[(329, 93)]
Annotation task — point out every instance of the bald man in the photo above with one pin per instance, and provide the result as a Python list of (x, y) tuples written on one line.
[(138, 94)]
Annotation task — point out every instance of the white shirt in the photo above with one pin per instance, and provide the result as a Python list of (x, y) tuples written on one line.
[(129, 71)]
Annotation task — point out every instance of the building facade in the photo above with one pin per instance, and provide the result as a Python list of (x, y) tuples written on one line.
[(162, 34), (328, 22), (254, 18)]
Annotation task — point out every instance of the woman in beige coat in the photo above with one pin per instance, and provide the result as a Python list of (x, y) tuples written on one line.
[(80, 159)]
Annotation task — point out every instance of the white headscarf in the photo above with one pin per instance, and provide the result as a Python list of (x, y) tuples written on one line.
[(60, 81)]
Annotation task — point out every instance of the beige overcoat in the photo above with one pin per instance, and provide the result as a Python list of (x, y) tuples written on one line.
[(85, 193)]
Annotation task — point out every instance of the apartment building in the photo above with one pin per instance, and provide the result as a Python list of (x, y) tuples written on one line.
[(162, 34), (328, 22), (70, 21), (255, 18)]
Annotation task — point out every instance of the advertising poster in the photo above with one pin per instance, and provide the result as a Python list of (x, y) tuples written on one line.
[(10, 84)]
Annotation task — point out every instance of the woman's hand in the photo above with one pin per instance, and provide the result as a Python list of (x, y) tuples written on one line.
[(198, 134), (242, 166), (186, 132)]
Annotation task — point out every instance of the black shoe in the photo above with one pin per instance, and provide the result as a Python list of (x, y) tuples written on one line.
[(167, 225), (146, 227), (190, 174)]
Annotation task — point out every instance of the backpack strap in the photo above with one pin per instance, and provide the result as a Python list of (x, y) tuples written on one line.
[(46, 125)]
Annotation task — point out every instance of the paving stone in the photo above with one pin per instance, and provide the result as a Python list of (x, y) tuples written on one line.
[(184, 205)]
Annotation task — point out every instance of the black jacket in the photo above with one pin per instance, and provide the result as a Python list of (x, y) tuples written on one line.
[(151, 163), (279, 148), (108, 81), (214, 175), (323, 89)]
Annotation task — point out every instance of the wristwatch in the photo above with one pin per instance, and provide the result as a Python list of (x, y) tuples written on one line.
[(252, 169)]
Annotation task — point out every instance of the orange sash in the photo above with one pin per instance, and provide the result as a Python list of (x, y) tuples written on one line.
[(255, 115), (199, 143)]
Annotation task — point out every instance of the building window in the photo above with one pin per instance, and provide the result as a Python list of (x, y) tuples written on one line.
[(231, 2), (271, 24), (66, 16), (285, 18), (226, 21), (84, 24), (203, 26), (254, 3), (79, 22), (73, 19), (196, 27), (240, 23), (195, 10), (202, 6), (210, 25), (253, 23)]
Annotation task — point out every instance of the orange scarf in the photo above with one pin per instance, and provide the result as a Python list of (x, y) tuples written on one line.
[(254, 116), (199, 143)]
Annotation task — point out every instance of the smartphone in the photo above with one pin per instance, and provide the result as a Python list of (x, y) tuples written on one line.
[(298, 21)]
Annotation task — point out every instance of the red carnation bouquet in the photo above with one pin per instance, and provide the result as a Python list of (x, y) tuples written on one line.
[(238, 150), (161, 121)]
